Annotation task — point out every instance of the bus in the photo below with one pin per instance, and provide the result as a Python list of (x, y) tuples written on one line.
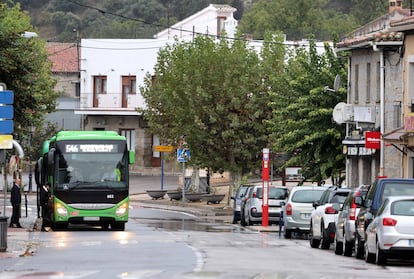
[(76, 164)]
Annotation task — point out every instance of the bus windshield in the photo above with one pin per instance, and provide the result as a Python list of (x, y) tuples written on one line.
[(92, 170)]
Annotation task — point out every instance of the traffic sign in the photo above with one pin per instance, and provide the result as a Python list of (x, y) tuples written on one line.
[(6, 112), (183, 155), (6, 126), (6, 97), (6, 141), (163, 148)]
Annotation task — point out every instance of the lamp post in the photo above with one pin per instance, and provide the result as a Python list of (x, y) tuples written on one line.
[(30, 158)]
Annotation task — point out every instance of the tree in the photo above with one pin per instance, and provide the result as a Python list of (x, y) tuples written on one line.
[(302, 123), (25, 69), (297, 19), (212, 93)]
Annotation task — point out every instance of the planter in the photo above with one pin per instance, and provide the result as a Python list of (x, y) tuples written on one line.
[(212, 198), (156, 194), (176, 195), (194, 197)]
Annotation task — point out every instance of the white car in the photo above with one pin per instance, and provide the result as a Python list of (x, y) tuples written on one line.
[(391, 232), (324, 215)]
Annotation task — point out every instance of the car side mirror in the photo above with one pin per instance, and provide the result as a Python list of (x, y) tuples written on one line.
[(315, 204), (282, 203)]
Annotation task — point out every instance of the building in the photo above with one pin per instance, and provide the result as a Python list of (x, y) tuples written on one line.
[(376, 97), (112, 71), (65, 69)]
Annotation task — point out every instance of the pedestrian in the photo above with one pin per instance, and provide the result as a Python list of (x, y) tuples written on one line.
[(16, 200), (44, 202)]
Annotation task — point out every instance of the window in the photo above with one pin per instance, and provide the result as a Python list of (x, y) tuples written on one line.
[(99, 84), (129, 84), (378, 81), (130, 137), (356, 84)]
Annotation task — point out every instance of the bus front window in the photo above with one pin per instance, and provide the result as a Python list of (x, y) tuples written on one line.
[(92, 170)]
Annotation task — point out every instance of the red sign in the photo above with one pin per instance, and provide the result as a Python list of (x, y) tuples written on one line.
[(373, 140)]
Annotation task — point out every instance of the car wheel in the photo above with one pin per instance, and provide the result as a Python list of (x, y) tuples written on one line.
[(249, 221), (288, 234), (314, 243), (348, 246), (359, 247), (369, 257), (326, 242), (339, 247), (380, 257)]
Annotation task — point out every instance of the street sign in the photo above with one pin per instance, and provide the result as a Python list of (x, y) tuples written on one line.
[(6, 127), (163, 148), (6, 97), (6, 112), (6, 141)]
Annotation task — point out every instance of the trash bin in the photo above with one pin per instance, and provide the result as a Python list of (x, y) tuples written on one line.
[(3, 233)]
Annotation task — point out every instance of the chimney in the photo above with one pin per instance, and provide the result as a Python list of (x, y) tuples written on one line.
[(395, 5)]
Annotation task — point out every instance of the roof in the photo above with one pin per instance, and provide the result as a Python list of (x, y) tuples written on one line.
[(376, 32), (64, 57)]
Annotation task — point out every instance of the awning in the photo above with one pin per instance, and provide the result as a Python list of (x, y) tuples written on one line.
[(398, 136)]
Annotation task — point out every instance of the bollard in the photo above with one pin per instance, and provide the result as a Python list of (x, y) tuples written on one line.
[(25, 201), (281, 222), (3, 233)]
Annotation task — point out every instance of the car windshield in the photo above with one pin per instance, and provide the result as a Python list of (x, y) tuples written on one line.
[(397, 189), (307, 196), (339, 197), (274, 193), (241, 192)]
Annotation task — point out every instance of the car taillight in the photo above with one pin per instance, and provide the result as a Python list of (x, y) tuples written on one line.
[(352, 212), (254, 195), (389, 222), (288, 209), (330, 210)]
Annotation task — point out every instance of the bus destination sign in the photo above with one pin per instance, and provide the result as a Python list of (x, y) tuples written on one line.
[(91, 148)]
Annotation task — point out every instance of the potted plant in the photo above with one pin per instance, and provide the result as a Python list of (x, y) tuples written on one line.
[(156, 194), (175, 194), (213, 197)]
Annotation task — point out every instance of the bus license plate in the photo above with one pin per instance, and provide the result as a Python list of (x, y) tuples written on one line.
[(90, 218)]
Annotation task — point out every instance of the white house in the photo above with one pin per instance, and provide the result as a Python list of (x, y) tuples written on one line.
[(112, 71)]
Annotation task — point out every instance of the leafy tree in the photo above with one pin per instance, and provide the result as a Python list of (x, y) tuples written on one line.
[(25, 69), (302, 123), (297, 19), (212, 93)]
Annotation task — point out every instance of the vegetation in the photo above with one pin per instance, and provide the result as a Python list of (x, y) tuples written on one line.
[(218, 95), (58, 19), (26, 70)]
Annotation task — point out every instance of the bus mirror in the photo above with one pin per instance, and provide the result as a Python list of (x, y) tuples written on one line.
[(51, 157), (131, 157)]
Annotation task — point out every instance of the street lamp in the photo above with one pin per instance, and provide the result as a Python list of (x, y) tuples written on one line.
[(31, 128)]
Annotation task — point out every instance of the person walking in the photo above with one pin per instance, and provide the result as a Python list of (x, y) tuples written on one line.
[(16, 200)]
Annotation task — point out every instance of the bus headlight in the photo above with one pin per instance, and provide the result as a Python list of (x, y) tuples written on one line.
[(61, 210), (122, 209)]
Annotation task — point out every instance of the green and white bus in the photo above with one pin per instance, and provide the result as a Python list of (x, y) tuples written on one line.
[(76, 163)]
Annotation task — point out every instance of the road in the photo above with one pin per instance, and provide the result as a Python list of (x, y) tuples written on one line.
[(168, 244)]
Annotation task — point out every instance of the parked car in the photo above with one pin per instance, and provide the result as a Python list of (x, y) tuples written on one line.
[(379, 190), (254, 201), (391, 232), (237, 200), (323, 217), (298, 208), (345, 223)]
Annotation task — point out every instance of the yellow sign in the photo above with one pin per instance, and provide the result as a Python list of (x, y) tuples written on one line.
[(163, 148), (6, 141)]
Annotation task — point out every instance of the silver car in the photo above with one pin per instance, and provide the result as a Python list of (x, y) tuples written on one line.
[(298, 208), (391, 233), (253, 204), (345, 223), (237, 201)]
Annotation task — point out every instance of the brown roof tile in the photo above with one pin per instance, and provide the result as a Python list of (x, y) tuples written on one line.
[(64, 57)]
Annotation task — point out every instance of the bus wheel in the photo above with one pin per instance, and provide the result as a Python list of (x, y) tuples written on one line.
[(59, 227), (118, 226), (105, 226)]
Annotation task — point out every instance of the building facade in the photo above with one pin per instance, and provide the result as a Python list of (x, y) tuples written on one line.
[(376, 98)]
